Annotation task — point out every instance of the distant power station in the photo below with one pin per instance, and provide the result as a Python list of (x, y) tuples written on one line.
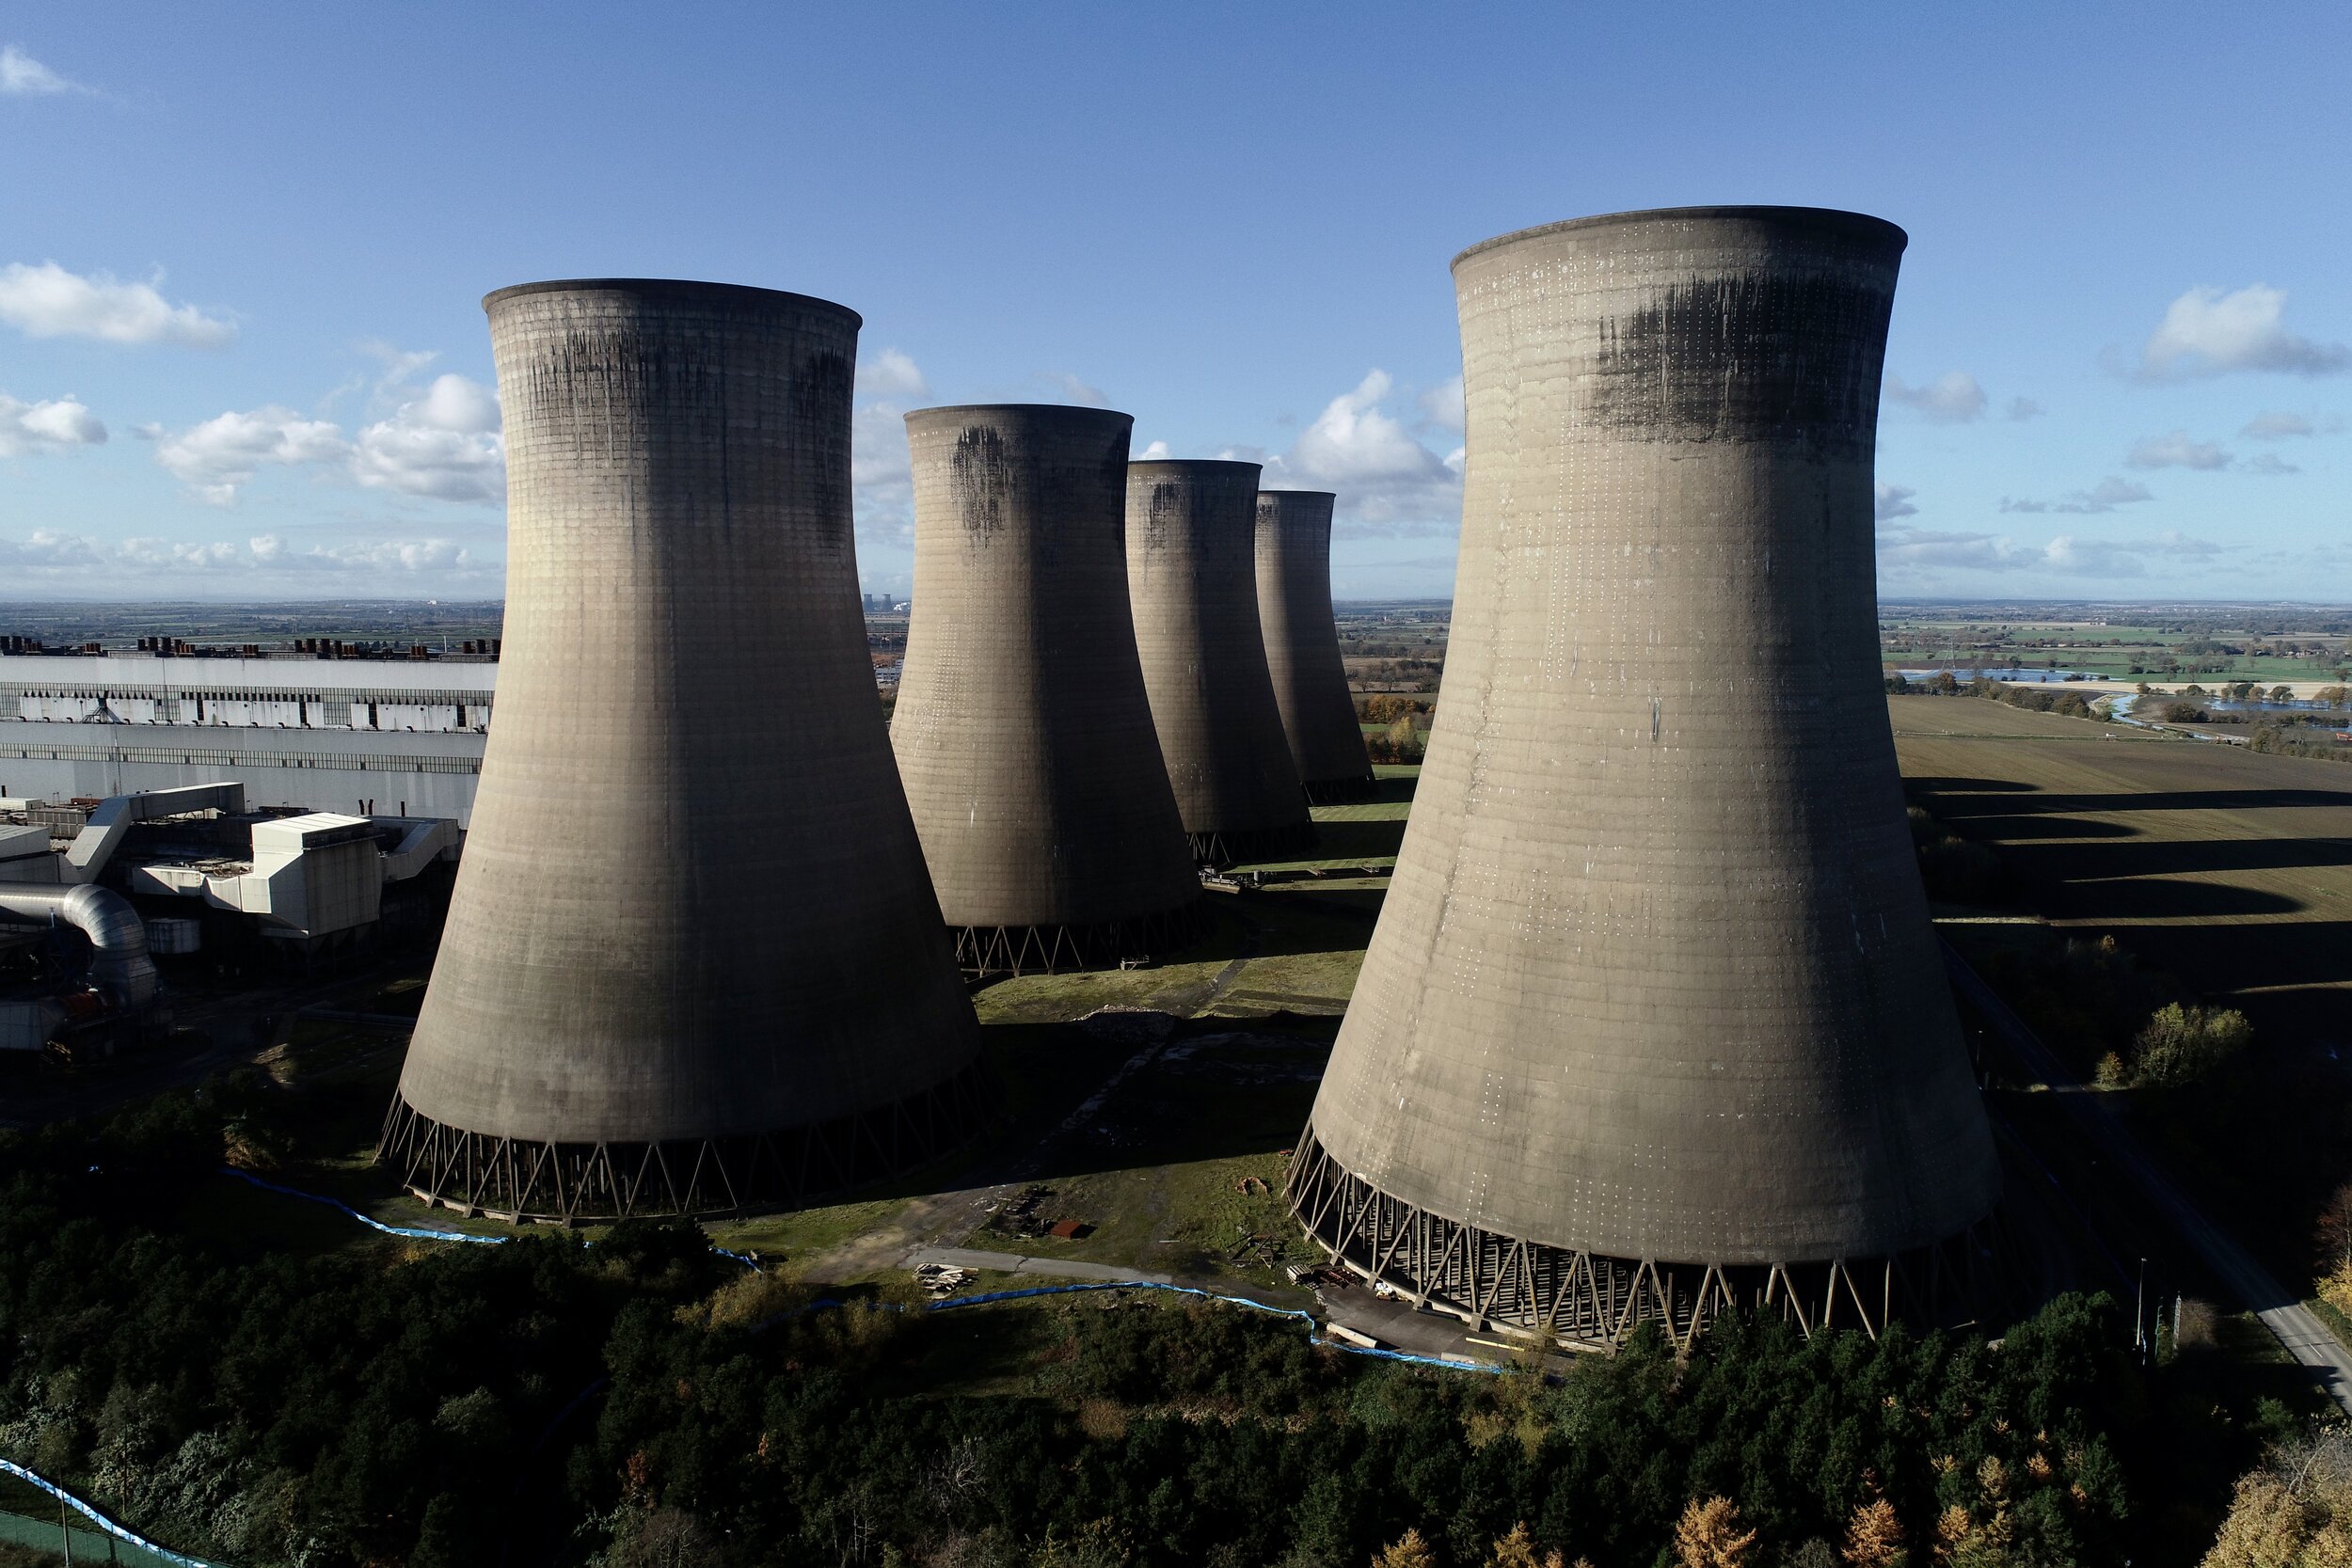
[(1192, 575), (1302, 644), (691, 963), (1022, 728), (1653, 1024)]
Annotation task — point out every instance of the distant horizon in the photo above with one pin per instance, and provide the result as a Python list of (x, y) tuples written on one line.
[(2173, 601)]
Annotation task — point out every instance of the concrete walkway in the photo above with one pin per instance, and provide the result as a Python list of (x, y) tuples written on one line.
[(2298, 1331), (1013, 1263)]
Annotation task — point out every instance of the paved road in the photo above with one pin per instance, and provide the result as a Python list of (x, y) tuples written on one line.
[(1013, 1263), (2282, 1310)]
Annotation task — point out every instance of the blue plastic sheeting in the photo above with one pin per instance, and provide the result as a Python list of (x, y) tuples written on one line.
[(1313, 1336), (163, 1553), (413, 1232)]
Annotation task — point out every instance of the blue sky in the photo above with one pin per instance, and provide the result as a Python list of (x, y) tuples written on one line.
[(246, 245)]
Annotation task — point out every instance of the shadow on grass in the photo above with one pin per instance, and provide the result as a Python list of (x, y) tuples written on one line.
[(1952, 800), (2006, 825), (1354, 840), (2152, 857)]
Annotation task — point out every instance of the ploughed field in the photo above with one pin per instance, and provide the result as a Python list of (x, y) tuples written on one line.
[(2231, 868), (2224, 877)]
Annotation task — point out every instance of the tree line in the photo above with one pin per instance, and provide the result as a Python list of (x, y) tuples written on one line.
[(646, 1401)]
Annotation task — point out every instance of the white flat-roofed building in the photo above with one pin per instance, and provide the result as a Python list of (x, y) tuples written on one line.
[(372, 735)]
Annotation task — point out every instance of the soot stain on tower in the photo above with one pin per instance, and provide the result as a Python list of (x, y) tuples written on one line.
[(1192, 574), (693, 961), (1023, 731), (1654, 1022)]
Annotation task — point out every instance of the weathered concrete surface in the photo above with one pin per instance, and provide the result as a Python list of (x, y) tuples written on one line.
[(1655, 977), (1192, 575), (672, 922), (1021, 729), (1302, 642)]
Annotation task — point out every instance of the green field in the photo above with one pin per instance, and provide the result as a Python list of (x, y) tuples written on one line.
[(1175, 1172), (2200, 645), (2225, 874)]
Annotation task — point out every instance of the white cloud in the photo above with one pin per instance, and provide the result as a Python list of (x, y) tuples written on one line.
[(28, 429), (220, 456), (2022, 409), (47, 301), (2174, 448), (446, 445), (1908, 551), (1156, 453), (2208, 332), (1074, 391), (1442, 404), (443, 443), (74, 562), (22, 76), (1893, 501), (1389, 485), (2268, 462), (2108, 494), (891, 374), (2276, 425), (881, 473), (1952, 398)]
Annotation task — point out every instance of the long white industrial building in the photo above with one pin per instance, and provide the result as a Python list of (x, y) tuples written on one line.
[(370, 736)]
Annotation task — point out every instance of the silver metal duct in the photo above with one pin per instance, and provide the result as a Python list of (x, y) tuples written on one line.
[(119, 965)]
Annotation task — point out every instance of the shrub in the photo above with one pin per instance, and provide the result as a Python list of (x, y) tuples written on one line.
[(2180, 1045), (1387, 707)]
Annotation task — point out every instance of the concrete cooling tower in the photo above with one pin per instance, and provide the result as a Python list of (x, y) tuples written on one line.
[(692, 960), (1302, 644), (1653, 1022), (1022, 728), (1192, 574)]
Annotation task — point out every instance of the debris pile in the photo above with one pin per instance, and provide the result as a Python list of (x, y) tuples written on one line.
[(939, 1280)]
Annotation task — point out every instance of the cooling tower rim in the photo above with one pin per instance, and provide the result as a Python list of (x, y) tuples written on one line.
[(674, 287), (1077, 413), (1308, 495), (1200, 468), (1830, 218)]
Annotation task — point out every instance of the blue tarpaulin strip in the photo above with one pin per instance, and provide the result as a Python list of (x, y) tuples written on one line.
[(414, 1232), (1313, 1336), (100, 1519)]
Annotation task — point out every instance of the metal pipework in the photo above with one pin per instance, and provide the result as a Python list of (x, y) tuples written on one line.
[(1302, 644), (692, 960), (1021, 730), (1192, 575), (120, 964), (1653, 1020)]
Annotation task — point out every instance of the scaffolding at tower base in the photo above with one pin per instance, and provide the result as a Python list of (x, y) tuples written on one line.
[(1244, 845), (520, 1180), (1589, 1301), (1017, 950), (1346, 790)]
